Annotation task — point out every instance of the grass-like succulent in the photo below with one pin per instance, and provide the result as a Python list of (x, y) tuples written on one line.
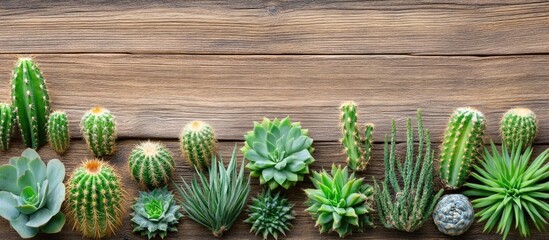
[(215, 200), (31, 194), (155, 213), (270, 214), (510, 189), (340, 202), (279, 152)]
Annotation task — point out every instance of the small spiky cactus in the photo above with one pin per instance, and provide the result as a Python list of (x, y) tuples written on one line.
[(95, 199), (519, 125), (198, 144), (358, 151), (99, 129), (270, 215), (461, 146), (58, 132), (151, 164), (6, 125), (31, 102)]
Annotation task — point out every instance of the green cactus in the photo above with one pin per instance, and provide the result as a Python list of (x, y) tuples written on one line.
[(198, 144), (151, 164), (99, 129), (519, 125), (358, 151), (58, 132), (95, 199), (461, 146), (6, 125), (31, 102)]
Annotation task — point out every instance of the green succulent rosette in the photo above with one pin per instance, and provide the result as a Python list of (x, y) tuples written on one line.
[(279, 152), (270, 215), (155, 213)]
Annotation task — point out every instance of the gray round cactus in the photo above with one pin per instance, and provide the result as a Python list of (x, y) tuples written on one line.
[(453, 214)]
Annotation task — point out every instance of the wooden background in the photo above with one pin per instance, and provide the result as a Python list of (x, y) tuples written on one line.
[(160, 64)]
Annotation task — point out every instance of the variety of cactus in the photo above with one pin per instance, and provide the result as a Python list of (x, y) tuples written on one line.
[(279, 152), (270, 215), (461, 146), (358, 151), (31, 102), (6, 125), (155, 213), (99, 129), (95, 199), (519, 125), (151, 164), (31, 194), (58, 132), (198, 144), (453, 214)]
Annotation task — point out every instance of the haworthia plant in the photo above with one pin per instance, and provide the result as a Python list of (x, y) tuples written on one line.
[(6, 125), (358, 151), (99, 130), (519, 125), (58, 132)]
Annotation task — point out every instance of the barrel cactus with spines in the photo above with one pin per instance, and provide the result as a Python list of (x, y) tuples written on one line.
[(95, 199), (519, 125), (99, 130), (198, 144), (31, 102), (151, 164), (461, 146), (358, 151), (58, 132), (6, 125)]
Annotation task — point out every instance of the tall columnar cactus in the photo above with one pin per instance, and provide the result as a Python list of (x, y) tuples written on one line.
[(31, 102), (519, 125), (358, 151), (198, 144), (58, 132), (151, 164), (95, 199), (461, 146), (6, 125), (99, 129)]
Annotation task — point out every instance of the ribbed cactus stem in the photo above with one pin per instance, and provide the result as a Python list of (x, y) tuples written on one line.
[(31, 102), (58, 132), (6, 125), (368, 143), (519, 125), (198, 144), (461, 146), (99, 129), (151, 164), (358, 152)]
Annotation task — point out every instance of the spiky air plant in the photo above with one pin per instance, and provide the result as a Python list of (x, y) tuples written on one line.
[(519, 125), (6, 125), (340, 202), (358, 151), (155, 213), (270, 214), (279, 152), (198, 144), (151, 164), (215, 200), (408, 207), (510, 189)]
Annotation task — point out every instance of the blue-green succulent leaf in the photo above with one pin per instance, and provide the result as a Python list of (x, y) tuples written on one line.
[(39, 218), (8, 179), (20, 225), (55, 224), (7, 206)]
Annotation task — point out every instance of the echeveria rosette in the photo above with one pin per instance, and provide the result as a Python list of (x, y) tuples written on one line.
[(340, 202), (31, 194), (279, 152), (155, 213), (270, 214)]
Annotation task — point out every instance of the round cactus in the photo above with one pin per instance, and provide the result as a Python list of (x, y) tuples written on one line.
[(58, 132), (519, 125), (151, 164), (155, 213), (198, 144), (99, 129), (6, 125), (270, 215), (95, 199), (453, 214)]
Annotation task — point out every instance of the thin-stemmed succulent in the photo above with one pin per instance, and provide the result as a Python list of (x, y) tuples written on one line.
[(270, 214), (155, 213)]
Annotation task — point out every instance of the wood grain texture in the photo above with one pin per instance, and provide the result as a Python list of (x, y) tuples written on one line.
[(276, 27), (326, 153)]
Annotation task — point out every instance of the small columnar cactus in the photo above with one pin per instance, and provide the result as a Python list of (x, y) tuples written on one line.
[(151, 164), (155, 213), (454, 214), (461, 146), (95, 199), (99, 129), (270, 215), (358, 151), (198, 144), (31, 102), (519, 125), (6, 125), (58, 132)]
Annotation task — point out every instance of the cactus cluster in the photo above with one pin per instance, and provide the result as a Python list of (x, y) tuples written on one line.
[(6, 125), (519, 125), (198, 144), (155, 213), (151, 164), (358, 151), (270, 215), (99, 130), (58, 132)]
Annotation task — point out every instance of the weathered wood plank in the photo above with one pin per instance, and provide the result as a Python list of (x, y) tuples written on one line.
[(153, 96), (326, 154), (276, 27)]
